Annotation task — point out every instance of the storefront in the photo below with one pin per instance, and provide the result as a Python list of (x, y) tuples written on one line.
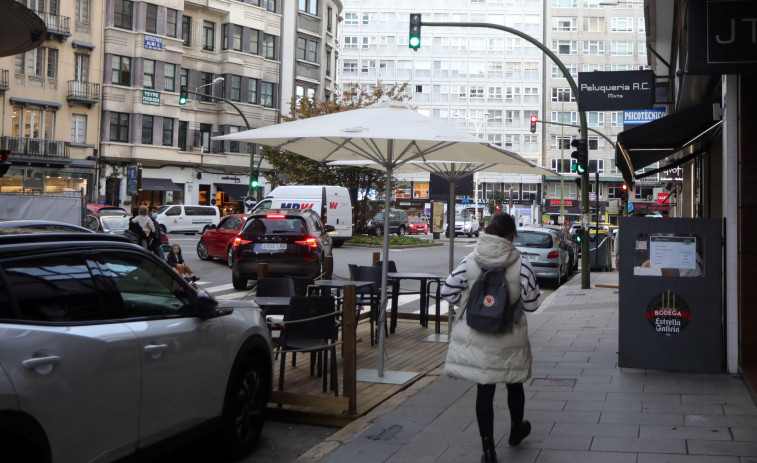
[(230, 196), (77, 177)]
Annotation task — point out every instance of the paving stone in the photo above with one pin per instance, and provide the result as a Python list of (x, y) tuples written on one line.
[(684, 432), (745, 409), (646, 398), (668, 458), (564, 456), (680, 389), (662, 407), (594, 379), (705, 447), (564, 416), (454, 454), (638, 444), (364, 452), (744, 434), (552, 442), (673, 419), (716, 399), (609, 387), (592, 429), (537, 404), (417, 453), (721, 420), (607, 406), (558, 395)]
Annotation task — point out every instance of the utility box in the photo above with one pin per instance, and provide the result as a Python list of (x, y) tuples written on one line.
[(671, 304)]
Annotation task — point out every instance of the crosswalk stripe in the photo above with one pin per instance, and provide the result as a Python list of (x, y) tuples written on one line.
[(219, 288)]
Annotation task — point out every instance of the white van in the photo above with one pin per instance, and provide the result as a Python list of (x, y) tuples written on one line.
[(187, 219), (332, 203)]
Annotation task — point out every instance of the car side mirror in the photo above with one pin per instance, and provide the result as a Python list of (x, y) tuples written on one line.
[(329, 228), (206, 306)]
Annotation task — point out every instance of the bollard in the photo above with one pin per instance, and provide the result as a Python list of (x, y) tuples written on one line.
[(328, 267), (262, 270), (376, 258), (349, 350)]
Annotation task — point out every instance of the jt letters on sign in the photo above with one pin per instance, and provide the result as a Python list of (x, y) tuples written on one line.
[(615, 90), (722, 37)]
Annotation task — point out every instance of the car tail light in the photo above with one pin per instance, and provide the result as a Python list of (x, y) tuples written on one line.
[(309, 242), (165, 239), (553, 255), (275, 216), (238, 241)]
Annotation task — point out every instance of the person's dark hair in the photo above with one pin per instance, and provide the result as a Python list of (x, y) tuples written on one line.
[(153, 208), (501, 224)]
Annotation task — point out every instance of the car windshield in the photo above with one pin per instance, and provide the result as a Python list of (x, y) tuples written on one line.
[(115, 223), (416, 220), (459, 218), (533, 240), (162, 208), (278, 226)]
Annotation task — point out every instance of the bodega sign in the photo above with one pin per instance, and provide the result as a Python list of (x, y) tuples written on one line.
[(668, 313), (615, 90)]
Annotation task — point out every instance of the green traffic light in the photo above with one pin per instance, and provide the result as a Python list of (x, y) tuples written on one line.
[(580, 169), (182, 100), (415, 42)]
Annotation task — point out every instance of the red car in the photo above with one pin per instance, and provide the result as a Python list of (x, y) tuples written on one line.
[(219, 241), (417, 225)]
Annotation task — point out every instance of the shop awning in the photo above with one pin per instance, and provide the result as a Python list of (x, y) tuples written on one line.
[(654, 141), (236, 191), (159, 184)]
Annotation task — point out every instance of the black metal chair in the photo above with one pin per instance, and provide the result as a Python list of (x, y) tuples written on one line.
[(301, 285), (316, 336), (268, 287), (370, 296)]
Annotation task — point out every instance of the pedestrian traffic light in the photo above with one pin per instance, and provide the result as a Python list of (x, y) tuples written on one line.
[(5, 162), (581, 154), (254, 179), (533, 124), (414, 40), (183, 95)]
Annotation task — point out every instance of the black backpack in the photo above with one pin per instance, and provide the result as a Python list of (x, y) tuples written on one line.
[(489, 309), (135, 228)]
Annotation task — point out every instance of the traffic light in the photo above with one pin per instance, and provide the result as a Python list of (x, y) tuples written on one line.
[(581, 154), (183, 95), (624, 192), (254, 179), (5, 162), (414, 40), (533, 124)]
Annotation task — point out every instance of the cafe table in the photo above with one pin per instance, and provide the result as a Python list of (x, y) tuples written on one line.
[(425, 279)]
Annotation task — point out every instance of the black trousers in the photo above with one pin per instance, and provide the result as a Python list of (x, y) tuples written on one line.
[(516, 401)]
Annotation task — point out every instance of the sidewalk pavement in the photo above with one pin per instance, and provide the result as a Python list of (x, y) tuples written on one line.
[(582, 406)]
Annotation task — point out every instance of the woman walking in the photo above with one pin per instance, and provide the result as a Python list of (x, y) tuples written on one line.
[(176, 261), (488, 359)]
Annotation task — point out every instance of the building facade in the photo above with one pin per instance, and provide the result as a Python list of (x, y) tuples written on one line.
[(480, 80), (51, 103)]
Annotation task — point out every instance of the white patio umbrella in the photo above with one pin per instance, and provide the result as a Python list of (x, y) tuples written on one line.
[(388, 133)]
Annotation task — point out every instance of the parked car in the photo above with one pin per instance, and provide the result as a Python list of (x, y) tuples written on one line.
[(464, 225), (105, 209), (417, 225), (398, 223), (14, 227), (570, 244), (218, 242), (294, 242), (544, 249), (187, 219), (106, 351), (106, 223)]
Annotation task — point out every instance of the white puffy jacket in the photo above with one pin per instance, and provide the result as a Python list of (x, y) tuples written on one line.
[(482, 357)]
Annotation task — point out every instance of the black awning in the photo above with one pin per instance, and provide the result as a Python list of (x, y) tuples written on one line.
[(657, 140), (236, 191), (159, 184)]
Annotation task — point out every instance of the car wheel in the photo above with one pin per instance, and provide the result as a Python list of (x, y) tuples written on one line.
[(230, 256), (202, 250), (163, 230), (244, 406), (476, 233), (338, 243), (446, 234), (238, 282), (401, 231)]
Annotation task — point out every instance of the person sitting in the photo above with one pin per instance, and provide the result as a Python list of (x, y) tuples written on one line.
[(176, 261)]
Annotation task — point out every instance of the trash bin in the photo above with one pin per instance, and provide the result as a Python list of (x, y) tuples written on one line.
[(600, 252)]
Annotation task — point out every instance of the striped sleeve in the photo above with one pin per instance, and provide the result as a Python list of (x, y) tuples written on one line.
[(456, 283), (529, 288)]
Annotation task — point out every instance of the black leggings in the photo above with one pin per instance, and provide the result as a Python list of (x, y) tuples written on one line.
[(516, 400)]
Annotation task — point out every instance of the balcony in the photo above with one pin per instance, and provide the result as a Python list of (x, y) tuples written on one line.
[(4, 81), (80, 92), (37, 150), (58, 27)]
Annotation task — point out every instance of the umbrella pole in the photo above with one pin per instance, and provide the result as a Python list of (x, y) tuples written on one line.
[(451, 223), (385, 260)]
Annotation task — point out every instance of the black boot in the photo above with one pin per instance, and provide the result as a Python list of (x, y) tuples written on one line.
[(518, 432), (490, 455)]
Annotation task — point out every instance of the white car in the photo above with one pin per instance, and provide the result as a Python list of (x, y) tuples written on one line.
[(465, 225), (106, 351)]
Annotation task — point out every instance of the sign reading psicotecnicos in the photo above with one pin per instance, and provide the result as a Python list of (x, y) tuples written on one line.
[(643, 116), (615, 90), (153, 43)]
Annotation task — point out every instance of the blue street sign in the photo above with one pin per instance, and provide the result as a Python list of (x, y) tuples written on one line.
[(250, 201), (131, 180), (630, 207)]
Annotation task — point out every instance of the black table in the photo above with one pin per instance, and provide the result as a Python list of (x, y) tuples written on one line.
[(425, 280), (273, 305)]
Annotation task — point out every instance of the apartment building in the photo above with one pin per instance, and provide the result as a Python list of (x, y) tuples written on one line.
[(484, 81), (51, 103), (587, 35)]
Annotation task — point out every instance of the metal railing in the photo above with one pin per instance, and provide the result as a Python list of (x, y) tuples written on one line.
[(85, 91), (4, 80), (35, 147), (56, 24)]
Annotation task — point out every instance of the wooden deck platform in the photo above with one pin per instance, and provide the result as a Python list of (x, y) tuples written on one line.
[(406, 350)]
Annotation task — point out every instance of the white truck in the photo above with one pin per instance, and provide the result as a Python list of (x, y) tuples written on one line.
[(332, 203)]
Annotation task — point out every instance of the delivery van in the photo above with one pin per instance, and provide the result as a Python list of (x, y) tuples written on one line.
[(181, 218), (332, 203)]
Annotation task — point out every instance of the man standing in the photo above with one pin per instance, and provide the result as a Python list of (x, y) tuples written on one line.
[(158, 234)]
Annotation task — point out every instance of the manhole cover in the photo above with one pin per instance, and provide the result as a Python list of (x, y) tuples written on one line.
[(553, 382)]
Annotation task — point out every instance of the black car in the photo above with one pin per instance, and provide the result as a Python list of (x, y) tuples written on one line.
[(23, 226), (292, 242), (398, 223)]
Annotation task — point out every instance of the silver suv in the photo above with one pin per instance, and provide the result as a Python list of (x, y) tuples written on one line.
[(105, 350)]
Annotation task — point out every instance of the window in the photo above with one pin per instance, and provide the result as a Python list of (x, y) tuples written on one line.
[(270, 5), (35, 62), (328, 62), (512, 94), (254, 41), (78, 128), (236, 41), (231, 223), (642, 48), (183, 130), (252, 91), (594, 47), (564, 117), (169, 77), (595, 119), (151, 18), (621, 24), (33, 122), (572, 69), (186, 30), (594, 24), (208, 36), (564, 24), (269, 47), (52, 63), (19, 63), (304, 91), (123, 13), (183, 78), (564, 47), (206, 81), (236, 88), (562, 95), (301, 47), (147, 124), (312, 55), (82, 11), (309, 6), (168, 131), (561, 142), (616, 119), (171, 21), (329, 21), (81, 67), (529, 191), (119, 127), (530, 143), (148, 79), (349, 66), (350, 42), (121, 70), (530, 71), (351, 19), (494, 93), (266, 94), (205, 130), (622, 48), (564, 3), (591, 67)]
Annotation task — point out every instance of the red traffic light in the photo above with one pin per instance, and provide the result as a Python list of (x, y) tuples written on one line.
[(534, 119), (533, 123), (624, 187)]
